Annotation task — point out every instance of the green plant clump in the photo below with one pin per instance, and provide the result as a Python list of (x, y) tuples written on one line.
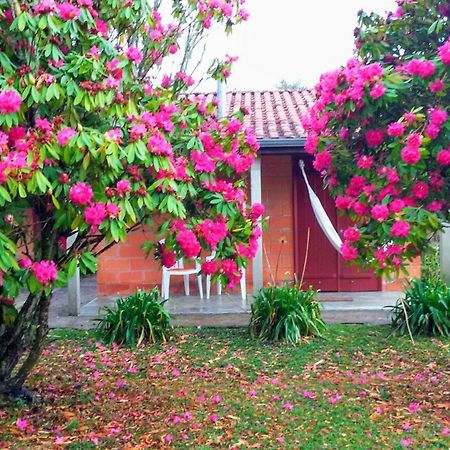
[(427, 305), (286, 314), (138, 318)]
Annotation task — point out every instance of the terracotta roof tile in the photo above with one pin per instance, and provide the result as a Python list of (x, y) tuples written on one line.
[(271, 114)]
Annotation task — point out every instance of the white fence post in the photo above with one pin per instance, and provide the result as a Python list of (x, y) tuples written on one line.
[(73, 287)]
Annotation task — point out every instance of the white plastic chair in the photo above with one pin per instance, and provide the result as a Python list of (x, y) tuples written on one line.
[(178, 269), (219, 284)]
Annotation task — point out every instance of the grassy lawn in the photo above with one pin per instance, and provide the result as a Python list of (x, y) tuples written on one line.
[(218, 389)]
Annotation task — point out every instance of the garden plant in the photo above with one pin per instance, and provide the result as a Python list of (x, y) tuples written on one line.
[(286, 313), (97, 139), (137, 319), (380, 134)]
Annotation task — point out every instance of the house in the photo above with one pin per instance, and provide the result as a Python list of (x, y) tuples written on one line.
[(276, 181)]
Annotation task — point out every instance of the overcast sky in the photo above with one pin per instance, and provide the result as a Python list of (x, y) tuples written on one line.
[(292, 40)]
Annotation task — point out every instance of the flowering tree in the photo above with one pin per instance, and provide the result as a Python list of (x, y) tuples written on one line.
[(380, 134), (92, 147)]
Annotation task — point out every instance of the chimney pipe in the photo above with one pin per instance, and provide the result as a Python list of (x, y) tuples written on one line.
[(221, 99)]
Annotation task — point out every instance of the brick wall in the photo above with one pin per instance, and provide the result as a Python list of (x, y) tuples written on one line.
[(277, 196), (123, 268), (401, 282)]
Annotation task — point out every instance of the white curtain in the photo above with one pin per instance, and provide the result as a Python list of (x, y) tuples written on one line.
[(321, 215)]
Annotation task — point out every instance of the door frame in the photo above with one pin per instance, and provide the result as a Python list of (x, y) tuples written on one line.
[(298, 260)]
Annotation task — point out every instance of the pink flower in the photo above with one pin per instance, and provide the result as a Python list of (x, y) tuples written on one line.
[(352, 234), (308, 394), (396, 129), (406, 442), (432, 131), (134, 55), (397, 205), (420, 67), (311, 143), (410, 155), (67, 11), (216, 399), (420, 190), (444, 53), (288, 406), (21, 424), (213, 232), (112, 210), (10, 101), (413, 407), (365, 162), (378, 90), (158, 145), (94, 215), (322, 160), (380, 212), (45, 271), (257, 211), (213, 418), (101, 27), (446, 431), (334, 399), (343, 202), (188, 243), (229, 267), (168, 257), (443, 157), (374, 138), (168, 438), (400, 229), (348, 252), (436, 86), (437, 116), (81, 194), (123, 187), (252, 394), (209, 267), (64, 135), (25, 262)]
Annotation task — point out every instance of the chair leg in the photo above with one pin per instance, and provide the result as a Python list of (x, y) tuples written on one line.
[(186, 284), (219, 286), (166, 284), (208, 286), (200, 286)]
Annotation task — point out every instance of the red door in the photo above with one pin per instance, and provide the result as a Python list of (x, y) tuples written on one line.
[(325, 269)]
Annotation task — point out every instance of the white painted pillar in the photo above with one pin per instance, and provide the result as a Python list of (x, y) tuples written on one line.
[(73, 287), (444, 251), (255, 192)]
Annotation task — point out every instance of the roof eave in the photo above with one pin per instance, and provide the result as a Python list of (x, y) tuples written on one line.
[(284, 146)]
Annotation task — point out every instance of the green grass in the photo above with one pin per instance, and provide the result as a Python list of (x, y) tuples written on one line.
[(241, 393)]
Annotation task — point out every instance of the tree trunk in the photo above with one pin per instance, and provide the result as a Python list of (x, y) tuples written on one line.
[(22, 344)]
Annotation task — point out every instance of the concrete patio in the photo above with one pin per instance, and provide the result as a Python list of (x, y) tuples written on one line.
[(225, 310)]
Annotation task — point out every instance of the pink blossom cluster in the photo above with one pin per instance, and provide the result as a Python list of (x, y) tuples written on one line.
[(45, 271), (385, 173), (10, 101)]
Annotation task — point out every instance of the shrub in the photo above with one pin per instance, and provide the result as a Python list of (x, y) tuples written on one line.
[(138, 318), (427, 305), (286, 314)]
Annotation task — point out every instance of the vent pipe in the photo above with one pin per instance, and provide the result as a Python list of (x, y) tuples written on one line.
[(221, 99)]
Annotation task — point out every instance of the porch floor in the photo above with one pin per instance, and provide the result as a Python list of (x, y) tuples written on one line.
[(225, 310)]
